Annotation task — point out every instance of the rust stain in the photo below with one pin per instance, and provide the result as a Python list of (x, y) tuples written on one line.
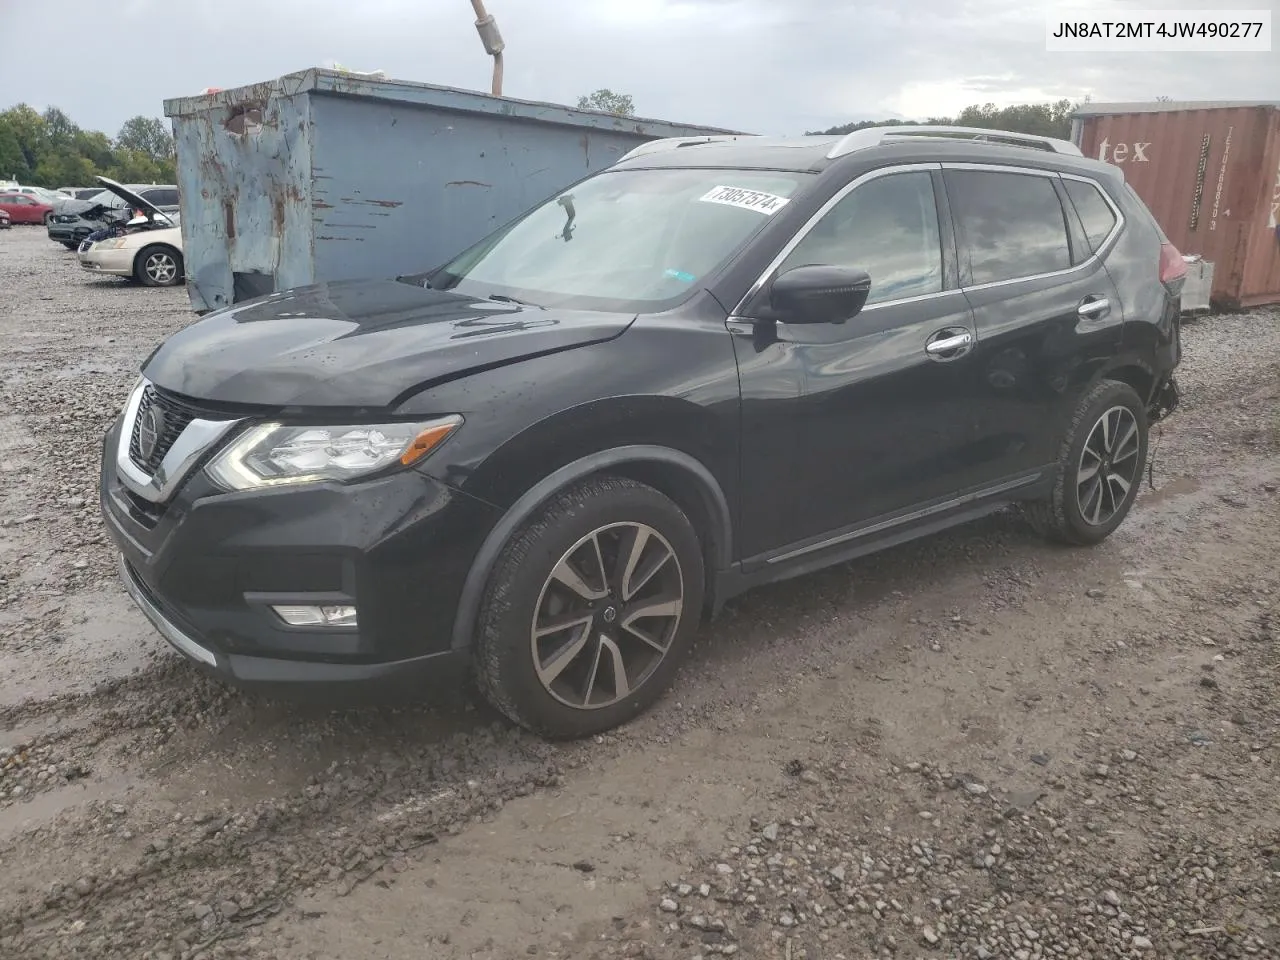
[(468, 183)]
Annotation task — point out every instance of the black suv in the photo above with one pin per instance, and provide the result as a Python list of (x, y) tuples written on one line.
[(721, 362)]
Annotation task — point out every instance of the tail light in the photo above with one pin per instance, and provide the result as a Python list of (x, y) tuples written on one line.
[(1173, 269)]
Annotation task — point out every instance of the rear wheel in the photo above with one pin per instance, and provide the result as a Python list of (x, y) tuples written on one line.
[(158, 266), (1099, 467), (70, 244), (47, 217), (590, 609)]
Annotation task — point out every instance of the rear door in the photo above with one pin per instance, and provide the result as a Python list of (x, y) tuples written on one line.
[(1044, 306)]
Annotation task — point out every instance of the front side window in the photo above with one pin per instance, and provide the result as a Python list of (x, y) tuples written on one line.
[(625, 240), (1010, 225), (887, 227)]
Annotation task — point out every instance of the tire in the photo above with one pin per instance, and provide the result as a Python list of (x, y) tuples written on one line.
[(71, 245), (581, 531), (1072, 514), (158, 266), (46, 218)]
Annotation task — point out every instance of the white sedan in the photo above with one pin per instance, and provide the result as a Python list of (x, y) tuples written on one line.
[(151, 256), (149, 250)]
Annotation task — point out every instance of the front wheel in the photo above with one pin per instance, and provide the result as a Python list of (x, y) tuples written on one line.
[(590, 609), (158, 266), (1099, 470)]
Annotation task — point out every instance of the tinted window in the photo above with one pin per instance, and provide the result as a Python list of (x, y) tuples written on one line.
[(1095, 213), (1010, 225), (626, 240), (162, 198), (888, 227)]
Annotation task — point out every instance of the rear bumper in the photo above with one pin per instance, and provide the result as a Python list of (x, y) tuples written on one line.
[(1164, 400)]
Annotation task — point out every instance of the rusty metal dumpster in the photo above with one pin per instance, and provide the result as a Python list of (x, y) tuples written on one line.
[(322, 175)]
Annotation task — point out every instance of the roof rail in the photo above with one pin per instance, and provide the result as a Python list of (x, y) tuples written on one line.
[(672, 143), (869, 137)]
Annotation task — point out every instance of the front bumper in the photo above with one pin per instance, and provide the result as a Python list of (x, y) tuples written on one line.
[(68, 232), (116, 263), (206, 567)]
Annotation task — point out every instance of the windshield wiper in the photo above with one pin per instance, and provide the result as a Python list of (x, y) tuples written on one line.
[(505, 299)]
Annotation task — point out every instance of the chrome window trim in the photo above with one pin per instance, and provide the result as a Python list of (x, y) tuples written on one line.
[(822, 211), (198, 436), (1093, 258)]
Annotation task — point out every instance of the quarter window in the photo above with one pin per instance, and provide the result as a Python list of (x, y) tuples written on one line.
[(888, 227), (1095, 213), (1010, 225)]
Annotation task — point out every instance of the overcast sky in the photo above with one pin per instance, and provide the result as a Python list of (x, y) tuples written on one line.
[(761, 66)]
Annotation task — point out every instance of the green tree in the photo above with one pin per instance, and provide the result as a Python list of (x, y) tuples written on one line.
[(28, 128), (606, 101), (52, 150), (1040, 119), (146, 135), (13, 163)]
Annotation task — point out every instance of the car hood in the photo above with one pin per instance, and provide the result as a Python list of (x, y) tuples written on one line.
[(360, 344), (88, 209), (135, 200)]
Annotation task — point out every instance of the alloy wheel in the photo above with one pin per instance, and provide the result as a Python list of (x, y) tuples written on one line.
[(161, 267), (607, 615), (1108, 465)]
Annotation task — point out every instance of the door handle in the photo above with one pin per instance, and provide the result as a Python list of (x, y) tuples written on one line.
[(949, 344), (1093, 309)]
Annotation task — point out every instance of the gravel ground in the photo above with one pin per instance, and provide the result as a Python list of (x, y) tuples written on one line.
[(973, 746)]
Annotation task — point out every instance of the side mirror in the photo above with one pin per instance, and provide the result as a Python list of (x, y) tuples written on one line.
[(819, 294)]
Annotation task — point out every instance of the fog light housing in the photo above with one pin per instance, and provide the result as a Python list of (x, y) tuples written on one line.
[(338, 615)]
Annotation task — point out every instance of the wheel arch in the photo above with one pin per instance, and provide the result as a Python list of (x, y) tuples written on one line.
[(137, 257), (1128, 368), (676, 474)]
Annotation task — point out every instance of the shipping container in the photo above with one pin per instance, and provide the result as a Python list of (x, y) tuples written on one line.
[(323, 175), (1210, 172)]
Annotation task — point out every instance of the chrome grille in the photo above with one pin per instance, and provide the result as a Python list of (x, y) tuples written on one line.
[(174, 417)]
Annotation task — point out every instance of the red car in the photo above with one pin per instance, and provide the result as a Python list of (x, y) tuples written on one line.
[(25, 209)]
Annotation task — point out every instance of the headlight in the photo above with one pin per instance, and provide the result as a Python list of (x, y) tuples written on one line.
[(113, 243), (275, 454)]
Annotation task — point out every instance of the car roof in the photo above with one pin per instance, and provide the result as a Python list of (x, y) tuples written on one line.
[(878, 146)]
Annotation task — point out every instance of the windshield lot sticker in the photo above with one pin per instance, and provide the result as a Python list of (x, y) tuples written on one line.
[(765, 203)]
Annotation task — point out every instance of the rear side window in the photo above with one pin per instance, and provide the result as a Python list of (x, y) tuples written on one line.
[(1011, 225), (163, 198), (1095, 213)]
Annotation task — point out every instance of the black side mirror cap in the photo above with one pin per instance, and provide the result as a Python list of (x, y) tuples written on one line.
[(820, 293)]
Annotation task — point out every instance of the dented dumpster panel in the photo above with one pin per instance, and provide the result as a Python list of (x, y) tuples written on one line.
[(321, 176)]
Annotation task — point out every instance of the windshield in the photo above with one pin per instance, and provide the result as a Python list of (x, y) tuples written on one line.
[(626, 240)]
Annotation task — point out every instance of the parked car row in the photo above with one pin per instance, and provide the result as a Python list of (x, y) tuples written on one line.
[(119, 230), (74, 220)]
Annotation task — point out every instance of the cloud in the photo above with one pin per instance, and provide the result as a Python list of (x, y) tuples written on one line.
[(755, 65)]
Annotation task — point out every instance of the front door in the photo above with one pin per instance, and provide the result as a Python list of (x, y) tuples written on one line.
[(848, 422)]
